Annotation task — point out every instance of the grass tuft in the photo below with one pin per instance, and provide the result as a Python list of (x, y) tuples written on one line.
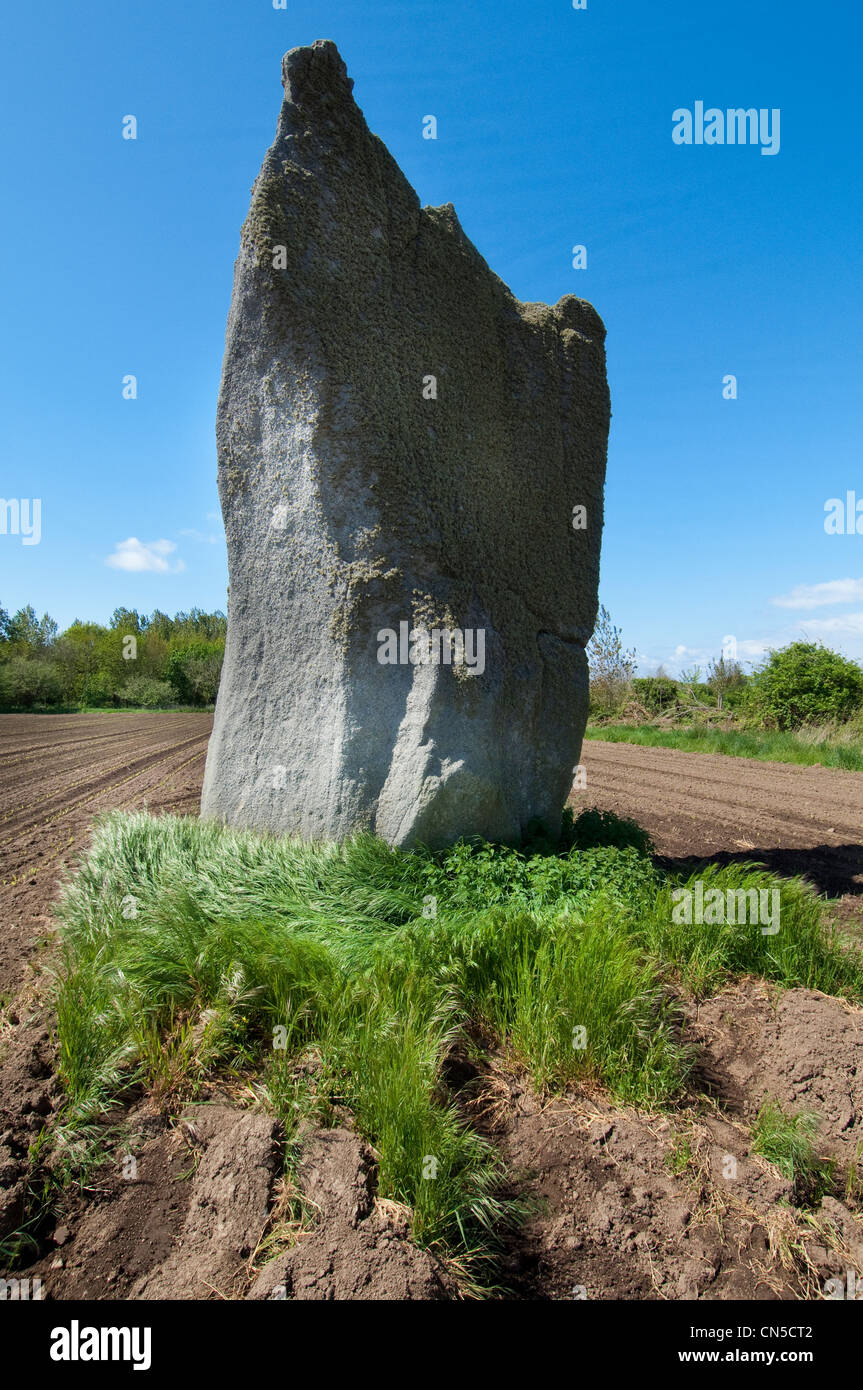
[(788, 1142)]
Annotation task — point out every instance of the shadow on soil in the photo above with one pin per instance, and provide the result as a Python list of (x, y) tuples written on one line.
[(833, 870)]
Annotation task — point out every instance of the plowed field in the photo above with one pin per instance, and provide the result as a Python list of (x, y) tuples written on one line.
[(59, 771), (797, 820)]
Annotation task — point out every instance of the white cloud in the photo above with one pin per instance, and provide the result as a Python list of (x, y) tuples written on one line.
[(820, 595), (849, 624), (135, 557), (680, 659), (751, 650)]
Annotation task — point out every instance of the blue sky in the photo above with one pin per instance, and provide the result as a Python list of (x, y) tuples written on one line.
[(554, 129)]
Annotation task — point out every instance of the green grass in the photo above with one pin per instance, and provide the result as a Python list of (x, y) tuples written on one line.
[(343, 975), (805, 952), (805, 747), (788, 1142)]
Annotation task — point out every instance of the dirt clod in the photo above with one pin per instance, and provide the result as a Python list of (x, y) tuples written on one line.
[(357, 1249), (237, 1157)]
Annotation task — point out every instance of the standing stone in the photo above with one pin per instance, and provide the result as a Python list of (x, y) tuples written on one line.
[(403, 447)]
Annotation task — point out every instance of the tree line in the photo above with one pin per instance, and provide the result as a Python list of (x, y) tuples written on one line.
[(136, 661)]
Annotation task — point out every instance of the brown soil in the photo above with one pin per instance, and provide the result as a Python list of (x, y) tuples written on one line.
[(681, 1206), (622, 1205), (626, 1212), (59, 771), (796, 820), (356, 1247), (798, 1047)]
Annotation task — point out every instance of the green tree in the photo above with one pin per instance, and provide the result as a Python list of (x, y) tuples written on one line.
[(611, 665), (126, 620), (170, 658), (804, 683), (77, 656), (30, 634), (160, 623), (724, 676), (194, 670)]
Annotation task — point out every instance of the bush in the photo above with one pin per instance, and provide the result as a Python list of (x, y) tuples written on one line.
[(804, 683), (608, 699), (25, 683), (146, 693), (656, 693), (194, 671), (98, 690), (725, 678), (735, 697)]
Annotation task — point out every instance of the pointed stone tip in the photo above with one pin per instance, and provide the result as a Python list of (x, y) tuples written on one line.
[(315, 73)]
